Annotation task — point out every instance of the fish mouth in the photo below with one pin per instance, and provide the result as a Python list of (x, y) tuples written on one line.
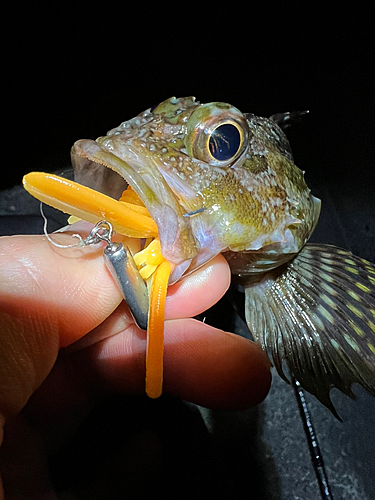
[(95, 166)]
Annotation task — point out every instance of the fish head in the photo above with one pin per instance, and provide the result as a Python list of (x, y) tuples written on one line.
[(213, 179)]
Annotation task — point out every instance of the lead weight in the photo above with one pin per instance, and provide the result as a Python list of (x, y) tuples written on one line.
[(120, 264)]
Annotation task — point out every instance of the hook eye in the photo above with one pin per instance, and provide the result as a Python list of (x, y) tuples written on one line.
[(103, 231)]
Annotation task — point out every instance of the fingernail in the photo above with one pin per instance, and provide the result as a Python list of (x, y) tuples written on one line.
[(81, 225)]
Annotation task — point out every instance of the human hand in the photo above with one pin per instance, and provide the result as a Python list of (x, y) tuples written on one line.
[(52, 298)]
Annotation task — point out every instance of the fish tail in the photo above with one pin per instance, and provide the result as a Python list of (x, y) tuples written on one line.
[(317, 314)]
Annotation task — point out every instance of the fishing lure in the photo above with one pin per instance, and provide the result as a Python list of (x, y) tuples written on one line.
[(193, 180)]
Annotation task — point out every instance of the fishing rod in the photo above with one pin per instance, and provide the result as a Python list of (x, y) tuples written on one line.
[(316, 454)]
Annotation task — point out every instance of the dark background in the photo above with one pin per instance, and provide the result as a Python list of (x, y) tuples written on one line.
[(76, 73)]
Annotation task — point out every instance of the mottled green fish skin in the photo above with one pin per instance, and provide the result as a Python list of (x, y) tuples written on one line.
[(258, 200)]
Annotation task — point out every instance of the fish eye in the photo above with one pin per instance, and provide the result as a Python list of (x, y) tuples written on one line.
[(217, 133), (224, 142)]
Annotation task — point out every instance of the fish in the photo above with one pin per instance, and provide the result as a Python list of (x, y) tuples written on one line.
[(214, 180)]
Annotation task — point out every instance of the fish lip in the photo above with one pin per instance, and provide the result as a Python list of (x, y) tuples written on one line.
[(176, 237)]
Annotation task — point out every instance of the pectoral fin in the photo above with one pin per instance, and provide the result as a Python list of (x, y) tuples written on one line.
[(318, 314)]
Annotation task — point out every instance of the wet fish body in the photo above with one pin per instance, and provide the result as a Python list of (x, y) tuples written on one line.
[(216, 180)]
